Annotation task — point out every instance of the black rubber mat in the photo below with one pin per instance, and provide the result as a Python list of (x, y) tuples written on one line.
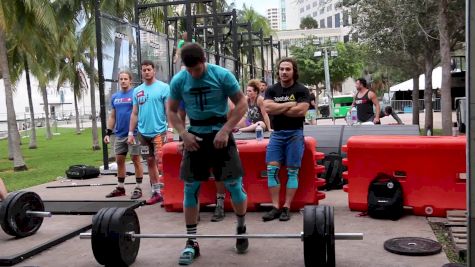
[(14, 259), (67, 207)]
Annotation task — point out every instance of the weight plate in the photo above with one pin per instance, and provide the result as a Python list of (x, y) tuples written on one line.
[(412, 246), (314, 236), (330, 236), (3, 213), (21, 224), (320, 236), (123, 250), (309, 245), (99, 247)]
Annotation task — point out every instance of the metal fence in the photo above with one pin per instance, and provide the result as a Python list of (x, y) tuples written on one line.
[(405, 106)]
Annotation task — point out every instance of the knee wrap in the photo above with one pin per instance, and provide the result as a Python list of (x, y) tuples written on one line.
[(235, 189), (272, 175), (191, 194), (293, 180)]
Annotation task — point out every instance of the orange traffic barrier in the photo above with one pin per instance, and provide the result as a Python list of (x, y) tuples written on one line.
[(431, 170), (252, 154)]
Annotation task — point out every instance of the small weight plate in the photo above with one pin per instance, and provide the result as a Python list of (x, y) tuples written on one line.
[(412, 246)]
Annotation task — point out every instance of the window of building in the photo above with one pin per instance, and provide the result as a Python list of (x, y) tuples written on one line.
[(322, 23), (345, 18), (346, 38), (329, 8), (314, 4), (322, 10), (314, 14), (302, 10), (329, 22), (307, 7), (337, 20)]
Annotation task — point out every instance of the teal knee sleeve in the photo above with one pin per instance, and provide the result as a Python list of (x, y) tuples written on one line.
[(293, 180), (272, 175), (191, 194), (235, 189)]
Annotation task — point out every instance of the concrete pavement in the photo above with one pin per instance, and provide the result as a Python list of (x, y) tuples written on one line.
[(274, 252)]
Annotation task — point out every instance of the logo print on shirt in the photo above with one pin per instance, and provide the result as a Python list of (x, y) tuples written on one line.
[(200, 95), (141, 97), (286, 98), (125, 100)]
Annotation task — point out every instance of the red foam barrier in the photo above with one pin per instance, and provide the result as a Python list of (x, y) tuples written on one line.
[(252, 154), (431, 169)]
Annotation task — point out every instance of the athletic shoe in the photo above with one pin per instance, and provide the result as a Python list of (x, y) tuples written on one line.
[(242, 244), (274, 213), (137, 193), (117, 192), (218, 214), (190, 253), (154, 199), (285, 215)]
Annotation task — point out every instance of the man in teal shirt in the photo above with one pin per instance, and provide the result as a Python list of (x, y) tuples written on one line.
[(149, 111), (208, 142)]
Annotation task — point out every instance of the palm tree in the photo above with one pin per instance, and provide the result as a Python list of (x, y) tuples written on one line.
[(258, 22), (37, 13), (73, 68), (14, 144)]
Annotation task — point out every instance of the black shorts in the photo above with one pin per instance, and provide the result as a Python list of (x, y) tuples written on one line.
[(223, 163)]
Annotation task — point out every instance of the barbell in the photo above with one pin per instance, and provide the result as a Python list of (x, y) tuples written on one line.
[(115, 236), (22, 213)]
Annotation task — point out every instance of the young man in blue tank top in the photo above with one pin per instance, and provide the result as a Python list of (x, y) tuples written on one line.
[(364, 101), (149, 114), (119, 120), (208, 142), (288, 102)]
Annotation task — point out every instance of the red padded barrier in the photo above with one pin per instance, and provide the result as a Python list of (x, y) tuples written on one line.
[(431, 170), (252, 154)]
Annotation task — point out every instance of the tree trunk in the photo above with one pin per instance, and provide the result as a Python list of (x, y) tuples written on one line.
[(76, 110), (95, 141), (32, 112), (429, 118), (10, 145), (446, 94), (44, 94), (115, 66), (18, 161), (415, 99)]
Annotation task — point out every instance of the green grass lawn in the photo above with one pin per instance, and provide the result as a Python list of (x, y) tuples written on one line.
[(50, 159)]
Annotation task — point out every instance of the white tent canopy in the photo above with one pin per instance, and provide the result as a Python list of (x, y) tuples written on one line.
[(407, 85)]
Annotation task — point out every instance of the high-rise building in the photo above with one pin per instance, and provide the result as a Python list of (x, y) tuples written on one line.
[(274, 18), (292, 19), (328, 13)]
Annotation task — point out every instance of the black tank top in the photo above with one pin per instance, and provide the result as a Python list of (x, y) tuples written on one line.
[(364, 107)]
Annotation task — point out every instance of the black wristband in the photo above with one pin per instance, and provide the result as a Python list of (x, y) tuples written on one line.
[(108, 132)]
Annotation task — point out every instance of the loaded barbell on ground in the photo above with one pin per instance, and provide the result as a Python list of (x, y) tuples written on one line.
[(115, 236), (22, 213)]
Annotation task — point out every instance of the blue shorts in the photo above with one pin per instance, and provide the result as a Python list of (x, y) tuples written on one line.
[(286, 147)]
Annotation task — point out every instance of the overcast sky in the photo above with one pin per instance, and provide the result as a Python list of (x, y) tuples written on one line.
[(258, 5)]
